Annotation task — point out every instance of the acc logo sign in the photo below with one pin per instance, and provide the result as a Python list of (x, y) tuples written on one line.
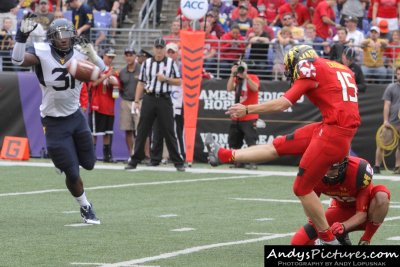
[(194, 9)]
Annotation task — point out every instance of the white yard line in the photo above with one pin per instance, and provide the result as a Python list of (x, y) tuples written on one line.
[(135, 184), (184, 229), (187, 251), (255, 233), (394, 238), (392, 218), (264, 219), (168, 215), (78, 225), (326, 202), (266, 200)]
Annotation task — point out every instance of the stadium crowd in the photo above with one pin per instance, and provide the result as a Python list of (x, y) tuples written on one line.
[(269, 28), (259, 32)]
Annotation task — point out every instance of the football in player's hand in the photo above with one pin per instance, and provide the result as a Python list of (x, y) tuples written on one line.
[(84, 70)]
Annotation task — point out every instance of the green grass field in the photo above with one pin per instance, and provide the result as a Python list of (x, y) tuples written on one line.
[(155, 216)]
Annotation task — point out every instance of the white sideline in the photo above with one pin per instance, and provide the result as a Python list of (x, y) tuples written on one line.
[(134, 184), (392, 218), (326, 202), (187, 251), (223, 170)]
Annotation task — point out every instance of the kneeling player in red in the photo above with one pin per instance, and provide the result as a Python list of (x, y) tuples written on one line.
[(356, 204)]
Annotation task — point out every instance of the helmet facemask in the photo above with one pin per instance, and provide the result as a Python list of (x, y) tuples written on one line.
[(341, 168), (62, 36)]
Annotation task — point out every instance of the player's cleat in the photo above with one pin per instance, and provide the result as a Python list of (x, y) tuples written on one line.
[(363, 243), (344, 240), (320, 242), (88, 215), (377, 170), (212, 148), (250, 166), (58, 171)]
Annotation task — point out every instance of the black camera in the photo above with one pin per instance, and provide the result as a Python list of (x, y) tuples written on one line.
[(242, 67)]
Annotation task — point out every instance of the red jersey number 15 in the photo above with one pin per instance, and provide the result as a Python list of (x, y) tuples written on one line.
[(343, 78)]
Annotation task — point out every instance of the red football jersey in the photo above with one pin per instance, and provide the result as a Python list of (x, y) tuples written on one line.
[(331, 87), (356, 187)]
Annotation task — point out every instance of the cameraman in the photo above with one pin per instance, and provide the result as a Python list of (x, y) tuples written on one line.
[(246, 88)]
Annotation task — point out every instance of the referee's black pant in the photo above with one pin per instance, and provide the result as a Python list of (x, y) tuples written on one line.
[(157, 140), (160, 107)]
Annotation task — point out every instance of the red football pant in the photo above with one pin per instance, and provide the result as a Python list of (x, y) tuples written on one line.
[(321, 145)]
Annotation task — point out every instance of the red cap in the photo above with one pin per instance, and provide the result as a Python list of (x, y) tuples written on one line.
[(383, 26)]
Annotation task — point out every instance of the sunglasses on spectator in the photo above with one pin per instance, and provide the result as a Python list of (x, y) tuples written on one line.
[(43, 3), (129, 55), (171, 51), (287, 18)]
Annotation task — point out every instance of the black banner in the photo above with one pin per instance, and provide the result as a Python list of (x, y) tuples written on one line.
[(349, 256), (214, 101), (11, 115)]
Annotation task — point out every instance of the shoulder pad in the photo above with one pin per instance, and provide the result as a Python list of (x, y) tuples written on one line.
[(364, 174), (41, 46), (305, 69)]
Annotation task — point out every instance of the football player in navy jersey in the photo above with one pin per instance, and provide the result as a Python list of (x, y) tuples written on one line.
[(68, 138)]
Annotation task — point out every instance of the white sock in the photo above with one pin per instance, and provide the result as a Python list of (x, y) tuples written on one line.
[(82, 200)]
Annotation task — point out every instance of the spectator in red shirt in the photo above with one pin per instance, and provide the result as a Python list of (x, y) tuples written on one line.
[(324, 19), (300, 11), (252, 11), (216, 28), (270, 10), (392, 52), (386, 10), (84, 97), (312, 5), (210, 49), (174, 36), (101, 115), (232, 48), (369, 11)]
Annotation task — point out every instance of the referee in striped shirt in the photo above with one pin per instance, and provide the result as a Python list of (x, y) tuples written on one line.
[(157, 74)]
